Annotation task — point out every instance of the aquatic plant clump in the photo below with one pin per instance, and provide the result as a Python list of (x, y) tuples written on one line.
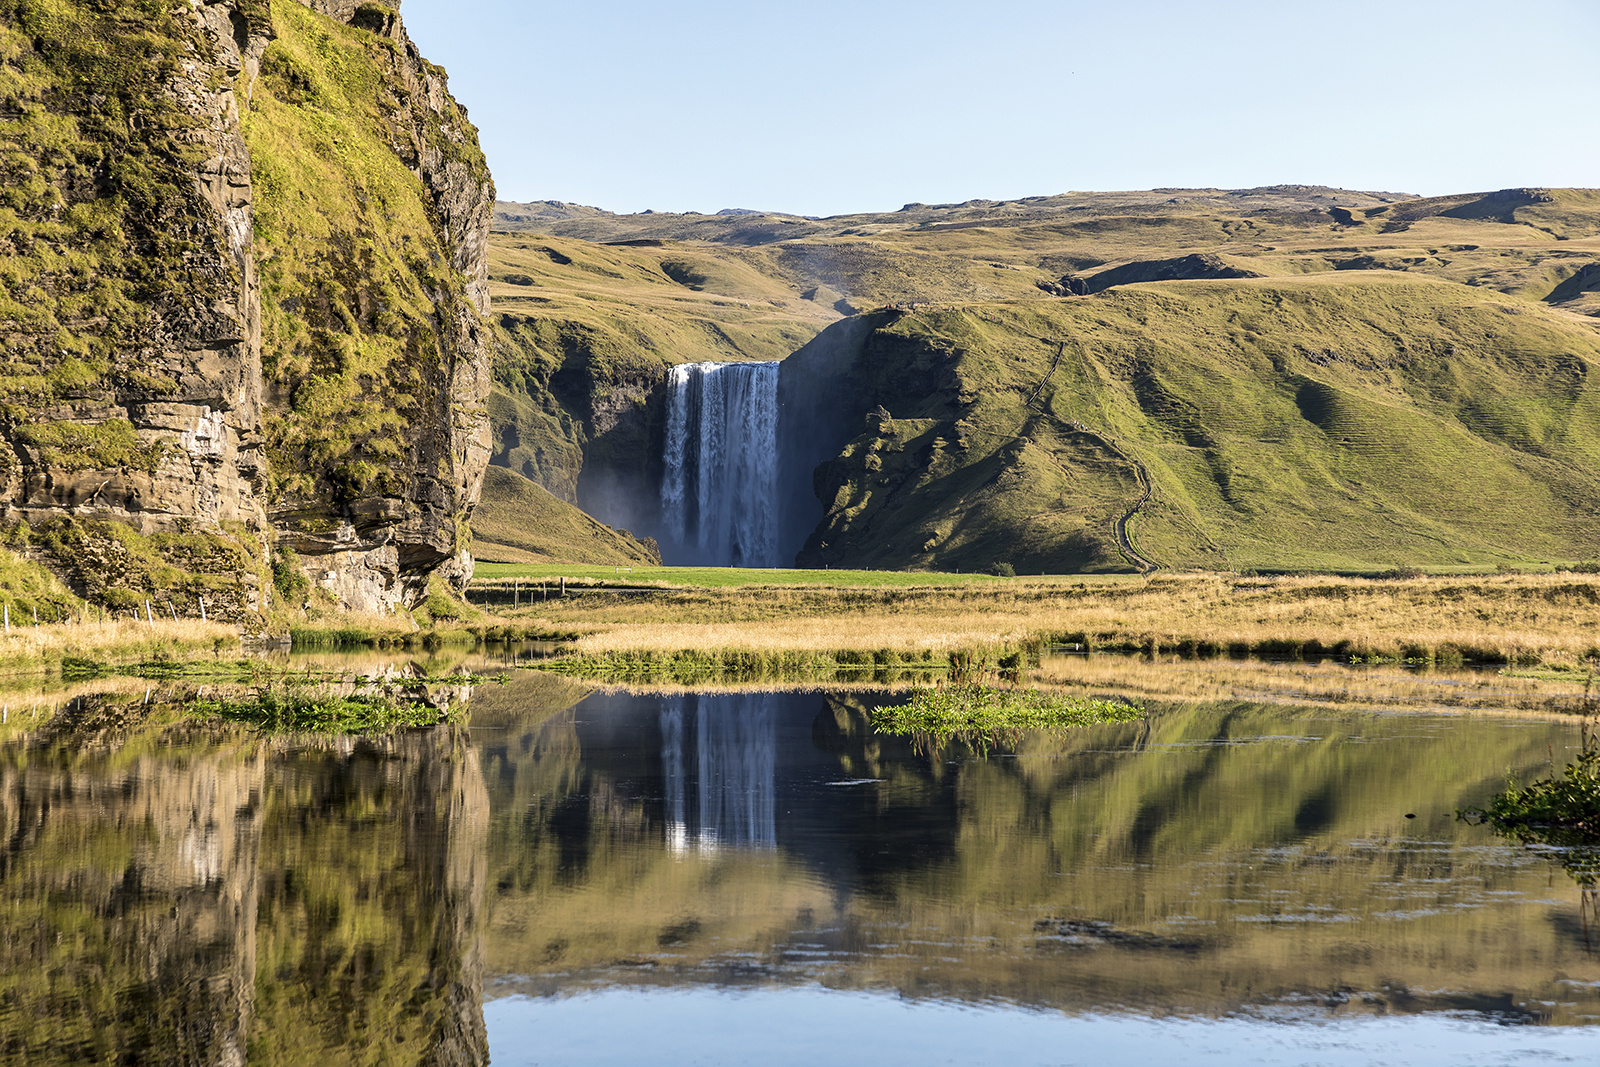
[(982, 714), (292, 709), (1562, 811)]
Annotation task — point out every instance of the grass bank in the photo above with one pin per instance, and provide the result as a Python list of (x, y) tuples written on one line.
[(1517, 619), (494, 575), (123, 642)]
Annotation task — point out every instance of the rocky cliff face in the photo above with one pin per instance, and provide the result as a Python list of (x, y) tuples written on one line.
[(242, 289)]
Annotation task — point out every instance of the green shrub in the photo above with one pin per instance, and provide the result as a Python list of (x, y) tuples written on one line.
[(1563, 811), (982, 715), (289, 579)]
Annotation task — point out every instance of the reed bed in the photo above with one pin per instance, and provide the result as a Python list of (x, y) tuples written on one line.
[(1321, 683)]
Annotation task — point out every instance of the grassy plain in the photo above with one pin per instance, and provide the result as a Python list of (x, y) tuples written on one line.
[(493, 575), (1518, 619), (55, 647)]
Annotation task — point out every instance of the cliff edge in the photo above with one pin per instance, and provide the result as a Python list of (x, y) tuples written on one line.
[(243, 284)]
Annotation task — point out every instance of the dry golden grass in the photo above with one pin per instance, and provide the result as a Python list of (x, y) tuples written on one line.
[(1324, 684), (1550, 618), (33, 647)]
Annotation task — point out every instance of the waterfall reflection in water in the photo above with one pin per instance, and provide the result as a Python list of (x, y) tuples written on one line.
[(735, 753)]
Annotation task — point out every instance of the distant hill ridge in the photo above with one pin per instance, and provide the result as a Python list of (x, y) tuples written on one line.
[(731, 225)]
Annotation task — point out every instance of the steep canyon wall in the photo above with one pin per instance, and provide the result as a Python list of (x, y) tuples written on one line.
[(242, 299)]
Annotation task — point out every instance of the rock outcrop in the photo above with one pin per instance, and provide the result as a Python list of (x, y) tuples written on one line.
[(242, 296), (1196, 266)]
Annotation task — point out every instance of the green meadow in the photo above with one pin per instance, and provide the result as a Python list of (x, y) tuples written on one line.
[(714, 577)]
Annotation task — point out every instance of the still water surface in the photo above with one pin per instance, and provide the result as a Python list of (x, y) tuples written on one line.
[(758, 877)]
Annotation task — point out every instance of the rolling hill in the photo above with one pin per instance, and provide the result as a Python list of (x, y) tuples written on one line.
[(1294, 377)]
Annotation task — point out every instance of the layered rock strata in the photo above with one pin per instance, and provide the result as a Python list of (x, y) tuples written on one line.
[(242, 289)]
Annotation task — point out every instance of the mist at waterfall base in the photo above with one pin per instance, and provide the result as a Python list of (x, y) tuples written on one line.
[(732, 450)]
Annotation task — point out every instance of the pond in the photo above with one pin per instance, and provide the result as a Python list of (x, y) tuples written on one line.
[(744, 876)]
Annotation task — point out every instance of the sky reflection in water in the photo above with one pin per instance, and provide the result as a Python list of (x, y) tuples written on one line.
[(805, 1027)]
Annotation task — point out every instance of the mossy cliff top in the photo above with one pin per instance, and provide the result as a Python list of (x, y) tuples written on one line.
[(242, 294)]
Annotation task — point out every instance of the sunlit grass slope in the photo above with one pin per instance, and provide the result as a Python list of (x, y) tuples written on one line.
[(1341, 422), (519, 521), (1534, 243), (1384, 380)]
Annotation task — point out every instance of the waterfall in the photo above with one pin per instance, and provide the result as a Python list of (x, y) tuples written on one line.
[(719, 496), (731, 780)]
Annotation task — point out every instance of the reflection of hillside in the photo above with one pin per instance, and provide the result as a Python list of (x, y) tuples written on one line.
[(1229, 855), (1318, 683), (180, 892)]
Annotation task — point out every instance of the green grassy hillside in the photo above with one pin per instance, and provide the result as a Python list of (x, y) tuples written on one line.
[(519, 521), (1339, 422), (1294, 377), (588, 331)]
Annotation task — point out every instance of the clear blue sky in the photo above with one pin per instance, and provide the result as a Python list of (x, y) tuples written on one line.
[(827, 107)]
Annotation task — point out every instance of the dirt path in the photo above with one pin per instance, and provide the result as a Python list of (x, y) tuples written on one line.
[(1124, 542), (1120, 527)]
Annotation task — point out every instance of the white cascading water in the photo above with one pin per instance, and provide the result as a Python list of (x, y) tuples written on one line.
[(719, 771), (719, 482)]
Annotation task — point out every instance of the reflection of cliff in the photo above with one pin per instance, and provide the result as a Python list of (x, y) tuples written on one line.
[(1233, 855), (185, 893), (128, 889), (369, 929)]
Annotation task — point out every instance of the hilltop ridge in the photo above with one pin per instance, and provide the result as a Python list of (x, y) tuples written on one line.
[(746, 226)]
